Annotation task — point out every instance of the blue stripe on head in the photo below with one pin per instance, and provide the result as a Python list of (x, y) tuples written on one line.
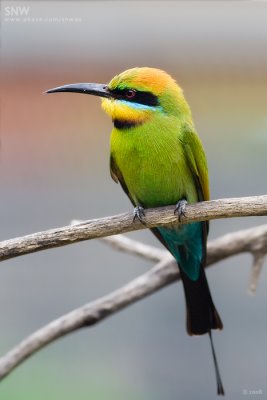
[(139, 106)]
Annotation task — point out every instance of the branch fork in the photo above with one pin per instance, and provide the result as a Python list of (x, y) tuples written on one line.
[(165, 271)]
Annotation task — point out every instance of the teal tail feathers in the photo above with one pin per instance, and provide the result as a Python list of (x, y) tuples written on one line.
[(187, 243)]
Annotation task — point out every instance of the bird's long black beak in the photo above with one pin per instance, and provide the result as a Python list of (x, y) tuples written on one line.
[(96, 89)]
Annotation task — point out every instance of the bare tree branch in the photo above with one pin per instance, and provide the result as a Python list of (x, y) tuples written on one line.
[(125, 244), (258, 260), (252, 240), (215, 209), (165, 272)]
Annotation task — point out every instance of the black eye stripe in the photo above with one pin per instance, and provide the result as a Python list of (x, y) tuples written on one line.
[(146, 98)]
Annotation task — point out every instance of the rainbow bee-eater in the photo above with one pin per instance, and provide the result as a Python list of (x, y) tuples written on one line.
[(157, 157)]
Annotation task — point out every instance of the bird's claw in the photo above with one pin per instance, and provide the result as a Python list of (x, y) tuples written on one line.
[(139, 213), (180, 209)]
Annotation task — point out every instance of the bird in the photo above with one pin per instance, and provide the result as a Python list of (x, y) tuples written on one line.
[(157, 157)]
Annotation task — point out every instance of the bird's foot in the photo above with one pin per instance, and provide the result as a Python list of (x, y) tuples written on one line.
[(139, 213), (180, 209)]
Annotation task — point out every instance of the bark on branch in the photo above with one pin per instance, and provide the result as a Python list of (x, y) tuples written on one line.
[(165, 272), (215, 209)]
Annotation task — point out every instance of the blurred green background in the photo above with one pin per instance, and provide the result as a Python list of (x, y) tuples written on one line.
[(54, 167)]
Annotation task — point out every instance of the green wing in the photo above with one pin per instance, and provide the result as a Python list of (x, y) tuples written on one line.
[(197, 162)]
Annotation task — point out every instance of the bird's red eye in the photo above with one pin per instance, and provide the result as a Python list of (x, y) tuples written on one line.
[(130, 93)]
